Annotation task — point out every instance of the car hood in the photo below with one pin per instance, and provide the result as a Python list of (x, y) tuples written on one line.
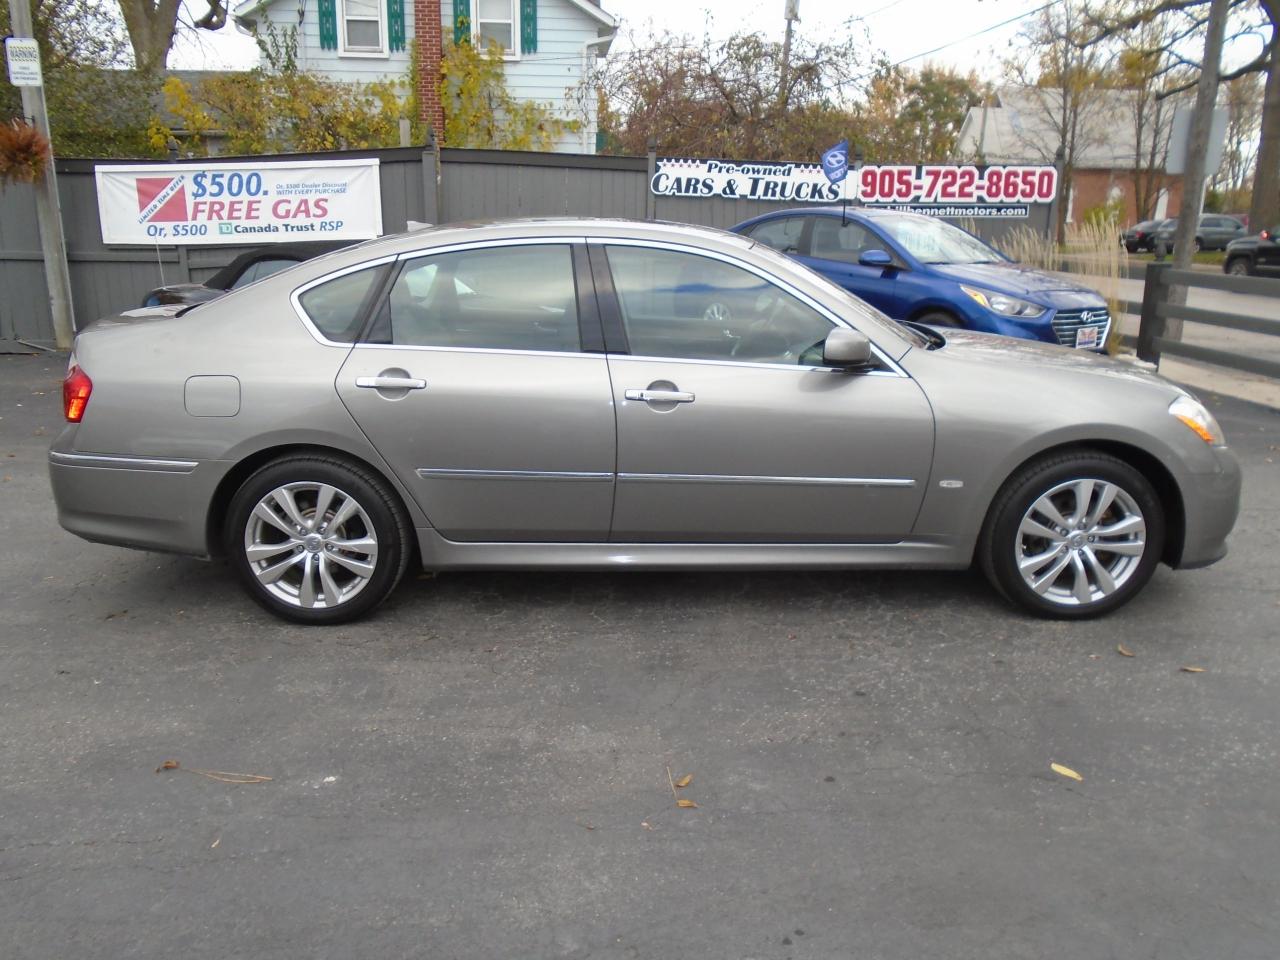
[(1019, 280), (1009, 351)]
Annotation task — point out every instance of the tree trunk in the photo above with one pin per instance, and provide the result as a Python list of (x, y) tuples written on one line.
[(152, 25), (1264, 210)]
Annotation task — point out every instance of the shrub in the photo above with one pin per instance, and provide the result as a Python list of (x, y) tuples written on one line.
[(24, 153)]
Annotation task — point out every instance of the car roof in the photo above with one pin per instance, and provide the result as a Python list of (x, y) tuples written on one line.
[(522, 227)]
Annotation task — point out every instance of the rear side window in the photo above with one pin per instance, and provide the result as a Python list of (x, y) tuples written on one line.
[(782, 234), (337, 307), (845, 242), (494, 298)]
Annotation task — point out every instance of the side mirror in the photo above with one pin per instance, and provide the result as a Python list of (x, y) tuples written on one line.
[(846, 349), (875, 258)]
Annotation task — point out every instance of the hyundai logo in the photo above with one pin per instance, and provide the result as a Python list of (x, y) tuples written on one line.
[(1088, 316), (835, 159)]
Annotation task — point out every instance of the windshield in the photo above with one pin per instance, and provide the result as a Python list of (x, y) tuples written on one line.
[(935, 241)]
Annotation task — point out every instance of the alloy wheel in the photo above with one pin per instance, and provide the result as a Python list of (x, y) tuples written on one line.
[(311, 545), (1080, 542)]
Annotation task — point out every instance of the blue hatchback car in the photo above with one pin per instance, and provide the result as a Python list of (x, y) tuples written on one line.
[(919, 268)]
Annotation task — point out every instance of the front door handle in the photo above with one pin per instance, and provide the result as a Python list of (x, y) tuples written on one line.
[(659, 396), (391, 383)]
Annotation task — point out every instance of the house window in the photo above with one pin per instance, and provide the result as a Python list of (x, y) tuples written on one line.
[(362, 29), (497, 21)]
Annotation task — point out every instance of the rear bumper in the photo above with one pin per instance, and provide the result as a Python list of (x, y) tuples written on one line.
[(141, 502), (1212, 503)]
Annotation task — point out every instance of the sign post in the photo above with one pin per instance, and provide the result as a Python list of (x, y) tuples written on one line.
[(23, 57)]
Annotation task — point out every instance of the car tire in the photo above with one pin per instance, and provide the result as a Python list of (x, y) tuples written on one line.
[(939, 318), (1027, 556), (1198, 244), (316, 539), (1239, 267)]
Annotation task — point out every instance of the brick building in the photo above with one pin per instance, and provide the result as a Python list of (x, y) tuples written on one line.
[(1019, 125)]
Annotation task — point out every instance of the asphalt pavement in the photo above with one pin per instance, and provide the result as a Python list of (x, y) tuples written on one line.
[(480, 770)]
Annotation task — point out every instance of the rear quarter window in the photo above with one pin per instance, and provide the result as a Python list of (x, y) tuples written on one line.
[(337, 307)]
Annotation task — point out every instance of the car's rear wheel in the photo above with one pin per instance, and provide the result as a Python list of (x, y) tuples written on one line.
[(317, 540), (1239, 267), (1072, 536)]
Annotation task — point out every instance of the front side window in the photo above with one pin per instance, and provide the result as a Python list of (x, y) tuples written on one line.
[(687, 306), (337, 307), (495, 298), (782, 234), (495, 22), (845, 242), (362, 26)]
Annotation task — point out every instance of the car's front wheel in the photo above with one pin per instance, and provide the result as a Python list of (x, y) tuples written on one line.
[(317, 540), (1074, 535), (1239, 267)]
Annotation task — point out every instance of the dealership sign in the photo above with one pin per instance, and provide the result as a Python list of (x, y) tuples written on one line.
[(947, 190), (240, 203)]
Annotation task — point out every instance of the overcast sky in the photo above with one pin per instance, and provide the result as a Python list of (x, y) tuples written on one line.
[(902, 29)]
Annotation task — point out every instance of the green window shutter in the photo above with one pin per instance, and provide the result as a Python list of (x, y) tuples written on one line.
[(528, 26), (328, 24), (461, 21), (395, 24)]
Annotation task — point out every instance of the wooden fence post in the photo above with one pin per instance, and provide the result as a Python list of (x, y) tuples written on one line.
[(1151, 325)]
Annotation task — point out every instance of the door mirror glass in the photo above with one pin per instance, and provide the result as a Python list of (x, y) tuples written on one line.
[(875, 258), (846, 349)]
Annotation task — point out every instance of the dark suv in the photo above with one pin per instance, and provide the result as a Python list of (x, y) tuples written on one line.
[(1258, 254), (1214, 232)]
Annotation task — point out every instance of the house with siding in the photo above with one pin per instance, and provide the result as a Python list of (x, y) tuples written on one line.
[(549, 46)]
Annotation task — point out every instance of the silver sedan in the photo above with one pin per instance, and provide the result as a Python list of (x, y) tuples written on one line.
[(619, 395)]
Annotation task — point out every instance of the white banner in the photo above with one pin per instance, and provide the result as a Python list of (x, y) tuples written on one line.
[(690, 177), (193, 204)]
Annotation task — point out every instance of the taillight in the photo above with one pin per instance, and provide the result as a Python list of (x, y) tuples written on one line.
[(1265, 234), (75, 394)]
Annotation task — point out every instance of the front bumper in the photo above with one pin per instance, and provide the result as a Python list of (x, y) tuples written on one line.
[(141, 502), (1211, 504)]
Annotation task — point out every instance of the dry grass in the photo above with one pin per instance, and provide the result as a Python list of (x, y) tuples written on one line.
[(1093, 249)]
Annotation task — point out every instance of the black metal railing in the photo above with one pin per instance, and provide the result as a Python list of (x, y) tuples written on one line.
[(1158, 308)]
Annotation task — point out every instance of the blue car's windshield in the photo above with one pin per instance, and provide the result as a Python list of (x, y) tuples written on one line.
[(936, 241)]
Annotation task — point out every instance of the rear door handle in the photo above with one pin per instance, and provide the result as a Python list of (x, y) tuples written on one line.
[(659, 396), (391, 383)]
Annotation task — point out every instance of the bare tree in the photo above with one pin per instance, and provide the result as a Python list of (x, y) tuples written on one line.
[(153, 25), (1060, 76)]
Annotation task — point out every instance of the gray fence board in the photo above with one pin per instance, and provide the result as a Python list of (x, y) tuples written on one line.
[(475, 184)]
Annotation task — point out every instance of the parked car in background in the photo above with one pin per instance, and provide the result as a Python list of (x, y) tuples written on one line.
[(1257, 255), (1141, 236), (240, 272), (615, 395), (1214, 232), (919, 268)]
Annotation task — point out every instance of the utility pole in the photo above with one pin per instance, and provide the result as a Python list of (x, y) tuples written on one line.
[(792, 13), (1193, 177), (48, 208)]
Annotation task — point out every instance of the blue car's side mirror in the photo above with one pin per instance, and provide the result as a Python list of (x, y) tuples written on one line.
[(875, 258)]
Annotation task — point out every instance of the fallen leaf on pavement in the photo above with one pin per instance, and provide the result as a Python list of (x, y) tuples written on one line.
[(685, 780), (168, 765), (1065, 771), (1192, 669), (686, 804), (1123, 650)]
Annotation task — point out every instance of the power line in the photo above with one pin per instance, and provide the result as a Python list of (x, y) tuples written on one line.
[(972, 36), (868, 16)]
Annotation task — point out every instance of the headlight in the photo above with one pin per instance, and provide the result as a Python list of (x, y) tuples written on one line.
[(1193, 413), (1003, 304)]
